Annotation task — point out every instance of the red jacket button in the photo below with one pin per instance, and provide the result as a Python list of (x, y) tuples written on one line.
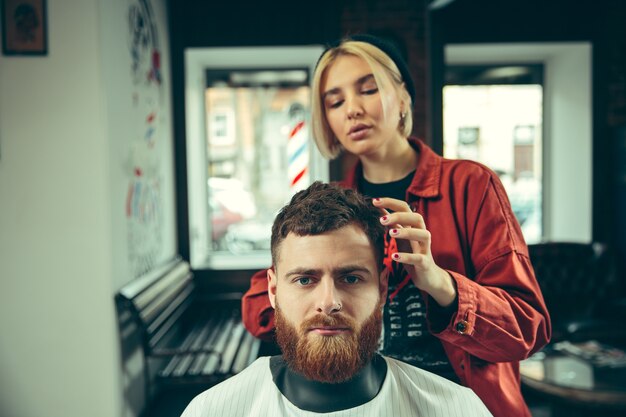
[(462, 327)]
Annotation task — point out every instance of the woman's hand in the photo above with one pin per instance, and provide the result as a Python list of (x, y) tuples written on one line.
[(413, 238)]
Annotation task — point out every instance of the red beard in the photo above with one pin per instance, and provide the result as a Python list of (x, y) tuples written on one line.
[(330, 359)]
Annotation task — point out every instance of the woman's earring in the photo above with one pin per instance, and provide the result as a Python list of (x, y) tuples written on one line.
[(402, 118), (336, 145)]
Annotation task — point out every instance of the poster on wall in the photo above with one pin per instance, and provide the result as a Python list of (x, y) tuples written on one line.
[(144, 199), (24, 30)]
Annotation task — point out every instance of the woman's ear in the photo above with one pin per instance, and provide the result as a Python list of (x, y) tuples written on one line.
[(404, 98)]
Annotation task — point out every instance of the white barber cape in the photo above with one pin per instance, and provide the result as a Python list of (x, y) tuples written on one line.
[(406, 392)]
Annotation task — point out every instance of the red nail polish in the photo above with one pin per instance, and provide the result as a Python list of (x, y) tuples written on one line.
[(384, 218), (394, 231), (396, 256), (377, 199)]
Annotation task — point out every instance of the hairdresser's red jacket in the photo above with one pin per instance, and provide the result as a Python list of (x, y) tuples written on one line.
[(501, 317)]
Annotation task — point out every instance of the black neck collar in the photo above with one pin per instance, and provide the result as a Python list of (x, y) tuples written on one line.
[(321, 397)]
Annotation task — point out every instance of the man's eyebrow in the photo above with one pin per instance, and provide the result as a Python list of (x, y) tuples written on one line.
[(350, 269), (302, 271), (343, 270), (360, 81)]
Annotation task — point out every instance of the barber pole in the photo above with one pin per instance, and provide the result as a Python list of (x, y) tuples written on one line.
[(298, 155)]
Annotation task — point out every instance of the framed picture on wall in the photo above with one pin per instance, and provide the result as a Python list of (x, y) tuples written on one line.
[(24, 28)]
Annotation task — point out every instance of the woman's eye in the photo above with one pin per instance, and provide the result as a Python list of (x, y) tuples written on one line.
[(370, 91), (335, 104)]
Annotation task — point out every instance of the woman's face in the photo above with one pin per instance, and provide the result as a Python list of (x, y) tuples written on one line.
[(353, 104)]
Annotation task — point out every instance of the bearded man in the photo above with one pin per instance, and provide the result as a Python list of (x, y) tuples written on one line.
[(328, 287)]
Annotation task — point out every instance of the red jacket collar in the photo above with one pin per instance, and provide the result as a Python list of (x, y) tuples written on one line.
[(427, 178)]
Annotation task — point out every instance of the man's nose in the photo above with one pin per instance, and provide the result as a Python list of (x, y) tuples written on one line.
[(329, 301)]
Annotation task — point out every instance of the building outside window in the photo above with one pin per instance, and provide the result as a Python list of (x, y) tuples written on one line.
[(497, 120)]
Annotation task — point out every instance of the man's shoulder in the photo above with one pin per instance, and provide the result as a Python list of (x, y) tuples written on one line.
[(234, 395), (405, 370), (434, 391), (413, 375)]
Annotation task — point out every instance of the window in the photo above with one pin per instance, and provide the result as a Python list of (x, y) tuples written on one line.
[(564, 139), (494, 115), (248, 148)]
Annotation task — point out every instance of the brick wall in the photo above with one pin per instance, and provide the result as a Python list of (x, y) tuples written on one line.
[(405, 22)]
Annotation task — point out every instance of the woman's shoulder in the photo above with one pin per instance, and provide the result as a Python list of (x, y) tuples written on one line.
[(458, 169), (468, 171), (467, 166)]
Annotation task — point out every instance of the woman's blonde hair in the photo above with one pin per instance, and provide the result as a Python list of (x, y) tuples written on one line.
[(386, 75)]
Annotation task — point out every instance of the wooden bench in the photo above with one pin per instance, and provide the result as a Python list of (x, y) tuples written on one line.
[(186, 338)]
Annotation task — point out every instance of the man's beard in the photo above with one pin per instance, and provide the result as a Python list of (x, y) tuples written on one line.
[(330, 359)]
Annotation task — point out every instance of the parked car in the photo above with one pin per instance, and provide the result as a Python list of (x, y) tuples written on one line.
[(247, 236), (221, 219), (229, 204)]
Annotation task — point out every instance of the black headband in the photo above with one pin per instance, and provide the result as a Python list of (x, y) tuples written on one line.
[(388, 48)]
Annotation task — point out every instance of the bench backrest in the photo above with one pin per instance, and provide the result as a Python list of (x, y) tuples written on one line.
[(158, 300)]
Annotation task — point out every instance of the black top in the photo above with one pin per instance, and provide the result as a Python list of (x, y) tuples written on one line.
[(322, 397), (394, 189)]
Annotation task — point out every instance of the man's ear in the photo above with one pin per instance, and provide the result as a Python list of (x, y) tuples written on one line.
[(271, 286), (383, 285)]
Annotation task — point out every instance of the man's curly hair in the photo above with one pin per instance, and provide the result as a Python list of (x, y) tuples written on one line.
[(324, 208)]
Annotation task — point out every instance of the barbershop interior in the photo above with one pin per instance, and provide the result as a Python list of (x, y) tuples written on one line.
[(146, 147)]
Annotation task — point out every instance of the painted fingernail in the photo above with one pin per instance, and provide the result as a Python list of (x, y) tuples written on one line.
[(383, 219), (377, 200), (394, 231), (395, 256)]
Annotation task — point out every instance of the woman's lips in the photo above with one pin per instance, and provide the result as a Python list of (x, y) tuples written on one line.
[(359, 132)]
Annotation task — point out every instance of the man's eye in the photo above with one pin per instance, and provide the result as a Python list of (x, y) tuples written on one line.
[(351, 279), (304, 281)]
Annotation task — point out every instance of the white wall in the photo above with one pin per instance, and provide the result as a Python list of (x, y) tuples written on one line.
[(64, 152), (567, 127), (138, 110), (569, 147), (57, 351)]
